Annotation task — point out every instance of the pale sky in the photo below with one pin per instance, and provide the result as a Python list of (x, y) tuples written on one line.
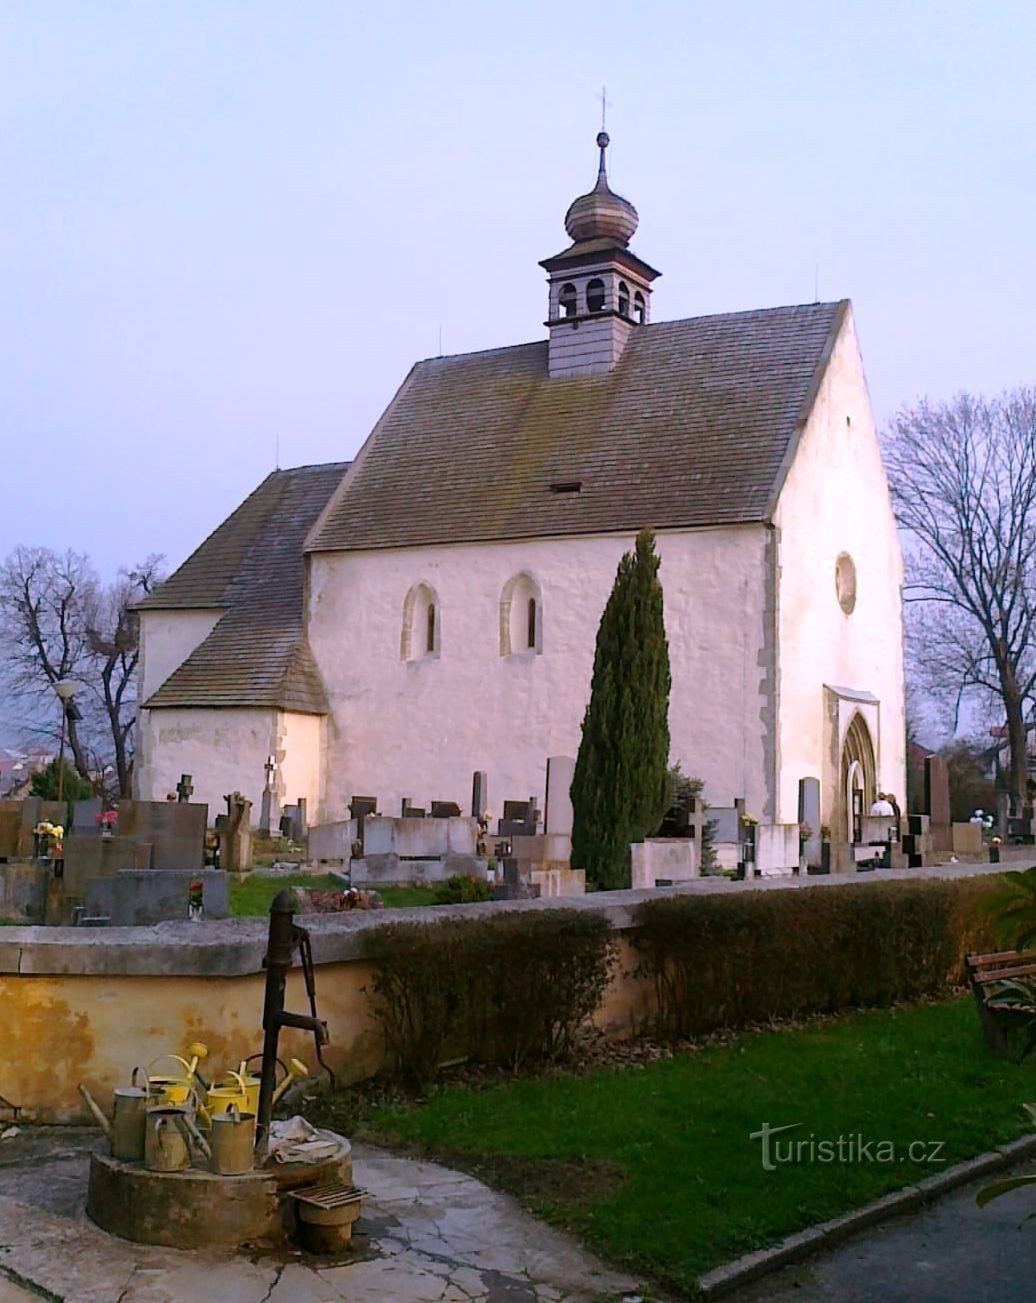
[(225, 224)]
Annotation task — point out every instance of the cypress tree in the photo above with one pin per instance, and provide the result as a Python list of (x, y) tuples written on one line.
[(619, 788)]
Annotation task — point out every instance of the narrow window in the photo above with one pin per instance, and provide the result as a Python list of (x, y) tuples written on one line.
[(531, 629), (567, 300), (595, 295), (639, 308), (624, 299), (430, 639)]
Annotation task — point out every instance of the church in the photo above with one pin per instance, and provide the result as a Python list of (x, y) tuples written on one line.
[(388, 626)]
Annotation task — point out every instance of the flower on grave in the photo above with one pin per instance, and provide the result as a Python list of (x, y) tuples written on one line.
[(195, 893), (749, 820), (805, 831), (994, 841), (108, 818)]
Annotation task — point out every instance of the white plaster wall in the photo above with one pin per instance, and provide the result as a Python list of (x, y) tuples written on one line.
[(302, 745), (224, 751), (167, 638), (835, 499), (420, 728)]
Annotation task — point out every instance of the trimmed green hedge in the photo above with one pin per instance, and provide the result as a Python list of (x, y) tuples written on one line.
[(727, 960), (508, 987)]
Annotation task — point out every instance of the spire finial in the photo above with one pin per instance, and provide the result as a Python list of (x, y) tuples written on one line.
[(605, 106)]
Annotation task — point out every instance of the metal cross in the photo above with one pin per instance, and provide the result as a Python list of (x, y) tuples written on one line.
[(184, 789), (271, 768), (606, 104)]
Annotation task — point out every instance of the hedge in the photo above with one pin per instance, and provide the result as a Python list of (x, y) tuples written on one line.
[(726, 961), (509, 987)]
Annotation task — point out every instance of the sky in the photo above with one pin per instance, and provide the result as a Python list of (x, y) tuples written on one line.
[(227, 230)]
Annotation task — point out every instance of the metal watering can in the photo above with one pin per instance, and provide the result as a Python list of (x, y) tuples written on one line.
[(233, 1142), (168, 1134), (229, 1094), (125, 1132)]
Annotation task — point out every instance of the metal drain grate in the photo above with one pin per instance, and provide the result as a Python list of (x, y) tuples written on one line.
[(331, 1195)]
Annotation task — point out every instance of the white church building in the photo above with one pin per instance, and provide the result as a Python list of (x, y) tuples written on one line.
[(388, 627)]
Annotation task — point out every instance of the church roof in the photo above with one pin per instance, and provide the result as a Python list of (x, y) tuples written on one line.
[(692, 427), (253, 567)]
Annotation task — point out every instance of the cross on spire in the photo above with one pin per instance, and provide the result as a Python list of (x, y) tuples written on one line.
[(606, 104)]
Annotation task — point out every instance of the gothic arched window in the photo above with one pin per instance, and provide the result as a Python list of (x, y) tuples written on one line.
[(639, 308), (624, 299), (595, 295), (567, 300)]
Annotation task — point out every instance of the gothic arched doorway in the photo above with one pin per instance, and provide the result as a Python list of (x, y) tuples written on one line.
[(858, 776)]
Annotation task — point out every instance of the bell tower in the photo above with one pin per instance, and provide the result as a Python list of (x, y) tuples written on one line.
[(599, 290)]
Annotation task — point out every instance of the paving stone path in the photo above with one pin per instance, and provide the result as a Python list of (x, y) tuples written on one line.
[(427, 1235)]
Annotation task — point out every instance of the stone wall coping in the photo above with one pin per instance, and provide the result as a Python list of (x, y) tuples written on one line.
[(234, 947)]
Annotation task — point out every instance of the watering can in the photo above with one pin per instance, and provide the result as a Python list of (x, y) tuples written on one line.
[(295, 1070), (125, 1132), (229, 1094), (233, 1141), (168, 1133), (177, 1088)]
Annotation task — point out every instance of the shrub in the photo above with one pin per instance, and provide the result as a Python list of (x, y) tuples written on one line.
[(461, 890), (506, 988), (750, 957)]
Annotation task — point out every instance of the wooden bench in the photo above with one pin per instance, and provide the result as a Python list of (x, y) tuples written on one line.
[(989, 977)]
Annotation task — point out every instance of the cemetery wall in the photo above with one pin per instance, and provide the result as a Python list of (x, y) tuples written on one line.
[(224, 751), (835, 500), (87, 1004), (167, 638), (419, 728)]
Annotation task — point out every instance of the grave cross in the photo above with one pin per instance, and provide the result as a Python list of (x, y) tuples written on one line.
[(271, 768), (184, 789)]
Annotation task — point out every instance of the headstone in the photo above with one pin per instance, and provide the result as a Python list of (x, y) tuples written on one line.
[(301, 826), (519, 819), (558, 812), (809, 813), (184, 789), (268, 810), (479, 793), (235, 834), (445, 810), (361, 808), (176, 831), (86, 817), (937, 798)]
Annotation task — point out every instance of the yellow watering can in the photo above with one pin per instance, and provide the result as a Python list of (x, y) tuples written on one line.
[(231, 1092), (295, 1070), (177, 1088)]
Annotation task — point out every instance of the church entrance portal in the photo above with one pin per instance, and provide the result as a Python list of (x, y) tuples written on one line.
[(858, 777)]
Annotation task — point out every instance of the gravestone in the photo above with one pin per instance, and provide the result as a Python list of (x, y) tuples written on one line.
[(479, 793), (362, 808), (520, 819), (184, 789), (85, 817), (809, 813), (408, 811), (557, 816), (235, 834), (1003, 814), (269, 809), (937, 799), (132, 898), (445, 810), (175, 831)]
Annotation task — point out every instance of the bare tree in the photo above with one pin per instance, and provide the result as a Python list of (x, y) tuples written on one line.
[(58, 621), (963, 481), (113, 637)]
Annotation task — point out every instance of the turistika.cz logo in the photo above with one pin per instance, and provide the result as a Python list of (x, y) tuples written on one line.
[(847, 1149)]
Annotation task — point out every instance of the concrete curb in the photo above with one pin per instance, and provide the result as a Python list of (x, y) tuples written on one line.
[(802, 1244)]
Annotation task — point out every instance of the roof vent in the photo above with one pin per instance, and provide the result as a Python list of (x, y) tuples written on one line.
[(566, 486)]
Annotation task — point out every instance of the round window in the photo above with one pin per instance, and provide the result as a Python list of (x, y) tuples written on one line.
[(845, 582)]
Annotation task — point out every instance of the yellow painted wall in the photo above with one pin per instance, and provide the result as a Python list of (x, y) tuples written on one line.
[(59, 1030)]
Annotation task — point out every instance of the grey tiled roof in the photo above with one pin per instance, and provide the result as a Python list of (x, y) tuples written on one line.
[(691, 428), (253, 567)]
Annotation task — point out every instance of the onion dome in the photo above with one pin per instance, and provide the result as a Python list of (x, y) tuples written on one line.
[(601, 214)]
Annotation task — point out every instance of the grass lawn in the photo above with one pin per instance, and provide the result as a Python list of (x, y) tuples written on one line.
[(253, 896), (654, 1166)]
